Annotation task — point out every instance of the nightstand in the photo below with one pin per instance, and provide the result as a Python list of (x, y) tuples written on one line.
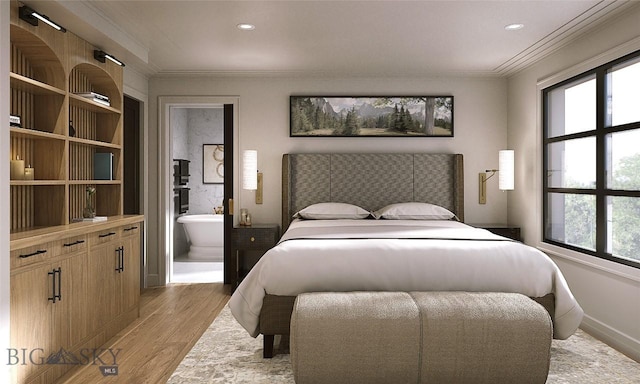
[(249, 244), (508, 231)]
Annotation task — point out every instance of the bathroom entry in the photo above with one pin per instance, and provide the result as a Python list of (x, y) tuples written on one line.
[(198, 150)]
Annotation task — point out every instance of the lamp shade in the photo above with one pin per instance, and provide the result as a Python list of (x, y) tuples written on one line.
[(506, 170), (250, 169)]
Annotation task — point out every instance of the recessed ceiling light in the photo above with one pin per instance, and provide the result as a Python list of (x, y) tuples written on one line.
[(514, 27), (246, 27)]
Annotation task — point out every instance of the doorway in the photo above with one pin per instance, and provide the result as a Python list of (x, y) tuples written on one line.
[(198, 161), (197, 131)]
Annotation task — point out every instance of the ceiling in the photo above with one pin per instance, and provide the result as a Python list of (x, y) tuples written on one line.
[(305, 37)]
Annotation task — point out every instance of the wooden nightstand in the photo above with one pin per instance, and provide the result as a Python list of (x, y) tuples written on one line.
[(249, 244), (508, 231)]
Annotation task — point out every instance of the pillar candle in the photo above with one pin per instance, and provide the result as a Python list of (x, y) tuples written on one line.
[(17, 169), (28, 173)]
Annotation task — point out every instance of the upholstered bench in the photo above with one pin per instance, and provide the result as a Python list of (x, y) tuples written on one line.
[(419, 337)]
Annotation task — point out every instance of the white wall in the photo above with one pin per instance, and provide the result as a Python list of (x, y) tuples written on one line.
[(4, 187), (479, 118), (608, 292)]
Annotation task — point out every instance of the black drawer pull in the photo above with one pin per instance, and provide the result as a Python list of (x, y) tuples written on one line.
[(38, 252), (130, 229), (107, 234), (74, 243)]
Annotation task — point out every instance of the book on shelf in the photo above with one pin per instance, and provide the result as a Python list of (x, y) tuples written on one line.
[(100, 101), (95, 219), (92, 95)]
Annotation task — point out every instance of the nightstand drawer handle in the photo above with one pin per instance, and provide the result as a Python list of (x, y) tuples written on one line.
[(252, 239)]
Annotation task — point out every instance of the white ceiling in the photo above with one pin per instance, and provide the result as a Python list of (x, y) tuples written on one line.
[(368, 38)]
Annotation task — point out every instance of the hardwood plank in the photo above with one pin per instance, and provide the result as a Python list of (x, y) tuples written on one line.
[(171, 321)]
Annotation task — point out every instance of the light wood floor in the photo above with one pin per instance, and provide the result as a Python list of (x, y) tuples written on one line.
[(172, 319)]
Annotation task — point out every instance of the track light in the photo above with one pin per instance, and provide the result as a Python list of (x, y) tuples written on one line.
[(101, 56), (30, 16)]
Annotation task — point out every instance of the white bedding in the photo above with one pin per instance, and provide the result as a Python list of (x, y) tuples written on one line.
[(401, 255)]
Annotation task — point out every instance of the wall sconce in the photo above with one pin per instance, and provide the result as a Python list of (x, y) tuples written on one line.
[(505, 177), (30, 16), (102, 56), (251, 177)]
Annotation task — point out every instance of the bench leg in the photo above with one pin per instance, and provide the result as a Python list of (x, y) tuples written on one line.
[(267, 348)]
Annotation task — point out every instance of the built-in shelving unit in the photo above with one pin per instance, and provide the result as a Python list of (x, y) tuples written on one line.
[(48, 71), (74, 285)]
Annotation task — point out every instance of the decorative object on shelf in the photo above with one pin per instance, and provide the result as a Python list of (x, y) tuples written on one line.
[(17, 169), (219, 210), (30, 16), (249, 169), (245, 217), (72, 131), (372, 116), (101, 56), (505, 177), (15, 121), (212, 163), (29, 173), (89, 211)]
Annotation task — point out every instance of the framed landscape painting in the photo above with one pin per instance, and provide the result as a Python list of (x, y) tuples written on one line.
[(371, 116)]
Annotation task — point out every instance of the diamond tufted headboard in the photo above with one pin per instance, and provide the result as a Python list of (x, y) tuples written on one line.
[(371, 180)]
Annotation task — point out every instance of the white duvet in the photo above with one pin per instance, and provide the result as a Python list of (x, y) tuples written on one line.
[(401, 255)]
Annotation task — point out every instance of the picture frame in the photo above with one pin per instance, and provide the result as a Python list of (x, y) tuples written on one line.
[(213, 163), (371, 116)]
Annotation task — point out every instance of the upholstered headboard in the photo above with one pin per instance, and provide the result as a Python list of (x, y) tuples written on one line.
[(371, 180)]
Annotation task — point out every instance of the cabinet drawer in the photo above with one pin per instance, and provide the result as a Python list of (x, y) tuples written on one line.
[(254, 238), (104, 236), (130, 230), (73, 244), (34, 254)]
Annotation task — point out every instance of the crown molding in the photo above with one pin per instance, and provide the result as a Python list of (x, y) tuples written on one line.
[(571, 31)]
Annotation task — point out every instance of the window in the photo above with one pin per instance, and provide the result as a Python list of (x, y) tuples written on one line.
[(591, 178)]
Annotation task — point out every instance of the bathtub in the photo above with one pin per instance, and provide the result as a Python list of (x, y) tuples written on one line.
[(206, 236)]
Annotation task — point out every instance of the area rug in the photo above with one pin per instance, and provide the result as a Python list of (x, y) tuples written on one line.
[(227, 354)]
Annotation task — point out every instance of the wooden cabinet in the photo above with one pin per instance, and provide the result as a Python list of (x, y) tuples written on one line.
[(73, 287), (47, 303), (49, 70), (115, 269)]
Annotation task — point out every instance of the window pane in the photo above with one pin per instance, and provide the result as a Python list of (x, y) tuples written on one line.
[(571, 219), (623, 154), (572, 163), (623, 86), (572, 108), (623, 235)]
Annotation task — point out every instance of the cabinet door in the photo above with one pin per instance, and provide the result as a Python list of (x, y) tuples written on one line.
[(69, 314), (31, 338), (131, 272), (104, 286)]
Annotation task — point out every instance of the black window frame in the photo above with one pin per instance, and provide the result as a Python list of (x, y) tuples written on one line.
[(601, 192)]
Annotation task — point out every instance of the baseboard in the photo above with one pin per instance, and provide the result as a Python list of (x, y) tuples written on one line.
[(618, 340)]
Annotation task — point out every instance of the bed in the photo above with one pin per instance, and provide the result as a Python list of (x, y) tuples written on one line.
[(409, 244)]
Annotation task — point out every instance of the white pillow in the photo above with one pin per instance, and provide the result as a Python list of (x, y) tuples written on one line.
[(413, 211), (330, 211)]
